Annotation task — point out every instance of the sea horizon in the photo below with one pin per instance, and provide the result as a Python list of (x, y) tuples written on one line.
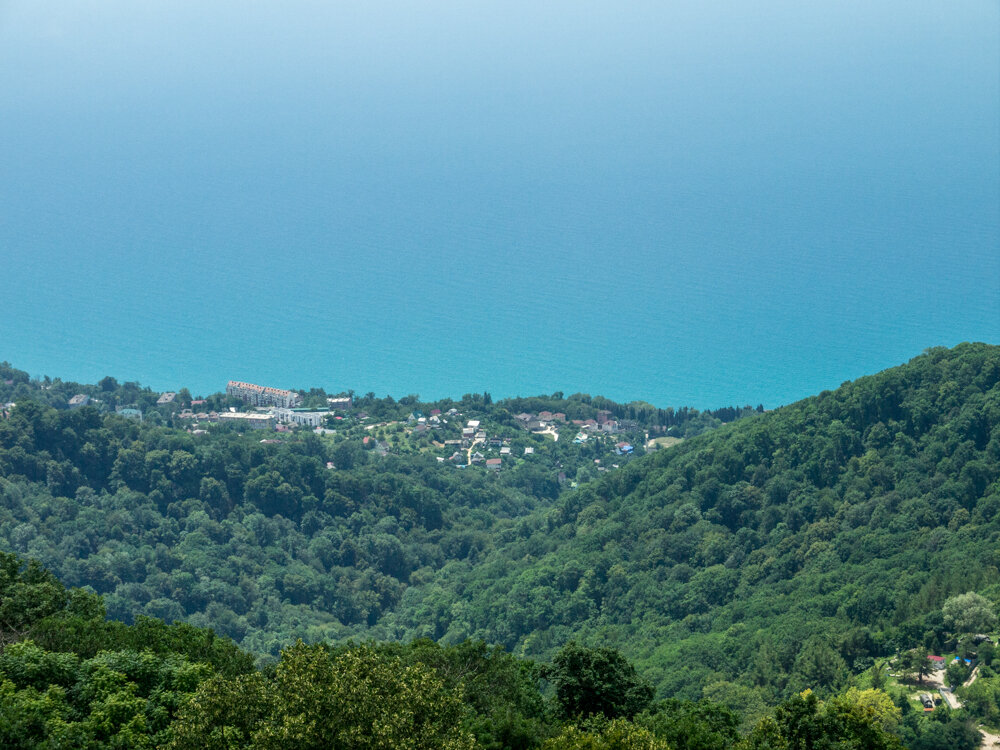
[(199, 392), (695, 205)]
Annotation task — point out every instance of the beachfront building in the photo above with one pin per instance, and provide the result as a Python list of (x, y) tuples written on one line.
[(340, 403), (303, 418), (259, 395), (80, 399)]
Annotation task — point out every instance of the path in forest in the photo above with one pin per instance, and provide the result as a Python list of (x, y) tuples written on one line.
[(990, 741)]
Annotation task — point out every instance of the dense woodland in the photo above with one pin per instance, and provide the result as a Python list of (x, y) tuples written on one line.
[(69, 678), (261, 541), (751, 581)]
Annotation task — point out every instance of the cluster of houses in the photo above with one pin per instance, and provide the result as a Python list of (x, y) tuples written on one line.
[(282, 408), (435, 420), (249, 420), (473, 435), (279, 409), (539, 422), (544, 420)]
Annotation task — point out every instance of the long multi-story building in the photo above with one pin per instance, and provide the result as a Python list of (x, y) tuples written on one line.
[(259, 395), (307, 418)]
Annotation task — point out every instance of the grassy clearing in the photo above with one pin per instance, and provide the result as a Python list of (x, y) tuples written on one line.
[(663, 442)]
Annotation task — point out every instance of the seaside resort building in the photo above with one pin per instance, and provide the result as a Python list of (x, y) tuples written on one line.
[(259, 395), (306, 418)]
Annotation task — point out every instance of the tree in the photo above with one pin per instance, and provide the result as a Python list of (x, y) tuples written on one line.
[(357, 699), (28, 593), (818, 667), (502, 691), (916, 663), (746, 702), (863, 719), (687, 725), (878, 675), (224, 713), (982, 699), (856, 720), (969, 613), (956, 673), (591, 681), (613, 735)]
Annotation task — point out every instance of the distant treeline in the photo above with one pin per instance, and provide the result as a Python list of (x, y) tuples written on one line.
[(683, 421)]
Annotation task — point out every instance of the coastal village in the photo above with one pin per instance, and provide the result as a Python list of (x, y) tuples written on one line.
[(554, 439), (458, 434), (457, 438)]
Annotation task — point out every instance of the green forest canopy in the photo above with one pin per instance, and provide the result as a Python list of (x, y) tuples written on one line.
[(69, 678), (783, 551)]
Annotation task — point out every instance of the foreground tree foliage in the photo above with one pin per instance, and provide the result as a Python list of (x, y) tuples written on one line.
[(176, 687), (356, 700), (692, 725), (70, 679), (591, 681), (617, 734)]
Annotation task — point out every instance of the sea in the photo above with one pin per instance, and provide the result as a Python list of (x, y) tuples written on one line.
[(692, 202)]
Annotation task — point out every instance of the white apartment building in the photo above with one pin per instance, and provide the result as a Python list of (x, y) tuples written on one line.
[(307, 418), (259, 395)]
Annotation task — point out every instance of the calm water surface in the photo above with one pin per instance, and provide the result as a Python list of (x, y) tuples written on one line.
[(689, 203)]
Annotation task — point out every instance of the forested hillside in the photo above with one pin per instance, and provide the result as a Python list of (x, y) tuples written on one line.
[(261, 542), (781, 552), (71, 679), (785, 551), (271, 536)]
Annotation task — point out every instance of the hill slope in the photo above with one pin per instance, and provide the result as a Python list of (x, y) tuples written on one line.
[(783, 551)]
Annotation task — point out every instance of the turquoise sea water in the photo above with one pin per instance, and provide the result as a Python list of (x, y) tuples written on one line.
[(689, 203)]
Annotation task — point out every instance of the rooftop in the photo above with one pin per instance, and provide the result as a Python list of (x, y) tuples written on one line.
[(258, 388)]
